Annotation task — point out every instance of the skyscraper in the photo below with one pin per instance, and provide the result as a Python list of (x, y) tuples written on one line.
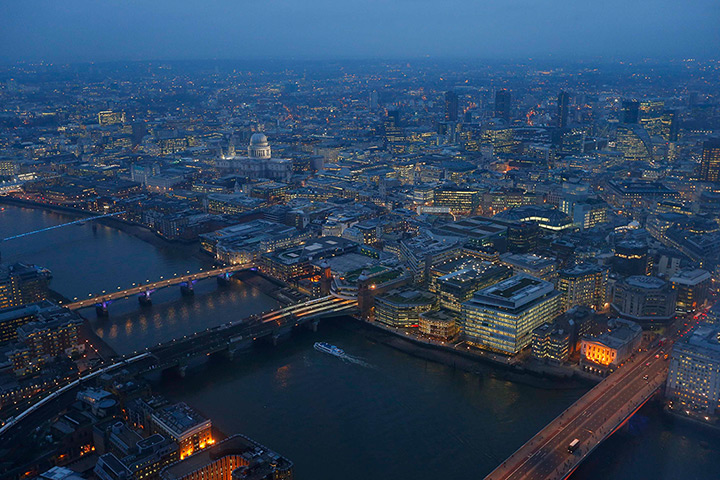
[(503, 101), (710, 163), (563, 102), (630, 111), (670, 125), (451, 106)]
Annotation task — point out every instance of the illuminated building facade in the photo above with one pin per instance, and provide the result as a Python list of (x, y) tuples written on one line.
[(585, 213), (503, 316), (551, 343), (634, 143), (710, 163), (108, 117), (458, 287), (602, 353), (583, 284), (235, 458), (402, 308), (694, 377), (460, 201), (438, 324), (184, 426), (691, 288)]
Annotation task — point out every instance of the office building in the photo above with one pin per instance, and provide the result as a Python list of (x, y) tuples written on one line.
[(457, 287), (502, 317), (585, 212), (21, 284), (583, 284), (451, 106), (632, 258), (691, 288), (670, 126), (108, 117), (634, 142), (710, 163), (503, 104), (644, 299), (423, 251), (563, 104), (536, 266), (604, 352), (551, 343), (183, 425), (402, 308), (439, 324), (693, 380), (630, 111), (458, 200)]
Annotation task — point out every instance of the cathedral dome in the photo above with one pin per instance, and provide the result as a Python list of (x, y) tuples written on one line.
[(259, 146), (258, 139)]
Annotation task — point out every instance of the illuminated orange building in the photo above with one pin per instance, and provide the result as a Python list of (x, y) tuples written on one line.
[(600, 354), (185, 426)]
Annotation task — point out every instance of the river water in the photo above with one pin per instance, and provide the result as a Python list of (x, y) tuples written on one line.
[(394, 416)]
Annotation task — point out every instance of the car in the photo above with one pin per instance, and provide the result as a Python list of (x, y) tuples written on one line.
[(645, 377)]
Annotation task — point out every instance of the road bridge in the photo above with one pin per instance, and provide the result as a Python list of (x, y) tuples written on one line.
[(590, 420)]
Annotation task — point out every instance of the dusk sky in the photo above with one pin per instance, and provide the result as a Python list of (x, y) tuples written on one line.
[(81, 30)]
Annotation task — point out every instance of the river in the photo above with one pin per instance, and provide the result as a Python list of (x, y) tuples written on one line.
[(392, 416)]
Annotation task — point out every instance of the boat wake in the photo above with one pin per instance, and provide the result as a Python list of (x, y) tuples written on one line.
[(340, 353)]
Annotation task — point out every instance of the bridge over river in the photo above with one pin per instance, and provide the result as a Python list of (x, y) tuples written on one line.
[(590, 420)]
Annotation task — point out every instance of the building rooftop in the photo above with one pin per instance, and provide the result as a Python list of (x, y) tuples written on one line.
[(180, 418), (645, 282), (515, 293), (527, 261), (407, 297), (259, 458)]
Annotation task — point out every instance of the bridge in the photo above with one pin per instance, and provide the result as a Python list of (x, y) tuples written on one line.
[(590, 420), (234, 337), (226, 339), (82, 220), (143, 291)]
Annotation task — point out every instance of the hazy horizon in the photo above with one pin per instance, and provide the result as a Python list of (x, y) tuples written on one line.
[(88, 31)]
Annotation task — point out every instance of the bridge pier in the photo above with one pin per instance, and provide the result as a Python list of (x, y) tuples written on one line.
[(224, 279), (145, 299), (187, 289), (101, 310), (313, 324), (182, 370)]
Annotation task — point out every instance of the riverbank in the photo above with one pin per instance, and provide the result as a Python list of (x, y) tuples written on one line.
[(447, 355), (138, 231)]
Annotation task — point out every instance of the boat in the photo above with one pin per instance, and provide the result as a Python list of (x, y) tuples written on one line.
[(327, 348)]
